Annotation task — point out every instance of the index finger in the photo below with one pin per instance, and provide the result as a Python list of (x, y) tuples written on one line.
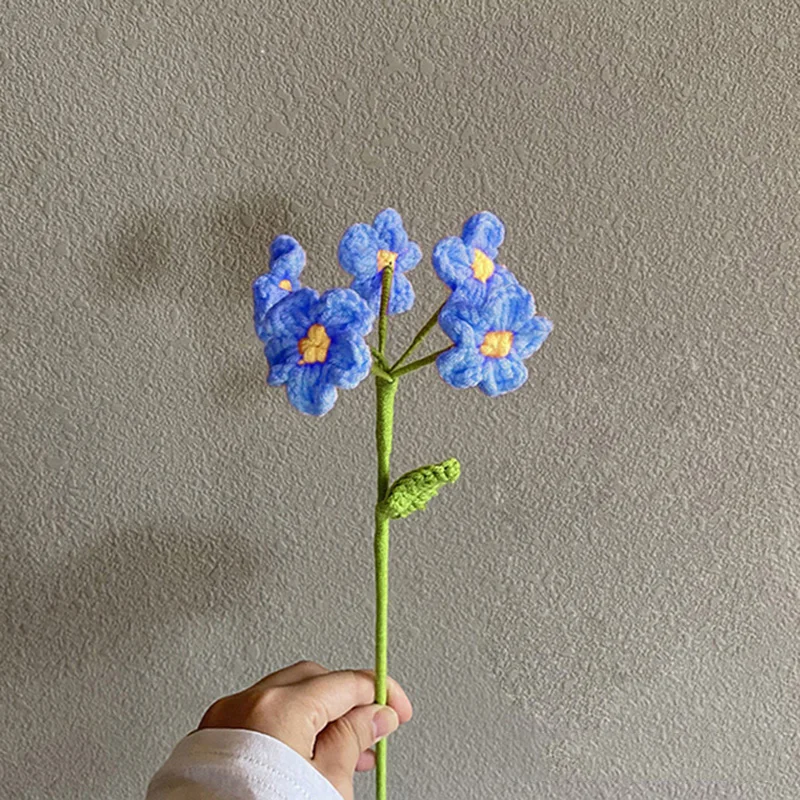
[(332, 695)]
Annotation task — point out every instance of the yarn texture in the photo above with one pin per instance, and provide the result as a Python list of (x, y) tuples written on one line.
[(412, 491), (468, 263), (315, 344), (286, 262), (365, 250), (493, 333)]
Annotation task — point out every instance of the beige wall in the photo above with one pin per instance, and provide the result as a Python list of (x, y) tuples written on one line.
[(606, 604)]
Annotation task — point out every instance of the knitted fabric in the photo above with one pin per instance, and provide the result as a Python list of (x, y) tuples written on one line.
[(286, 262), (492, 333), (412, 491), (468, 262), (315, 344), (384, 426), (365, 250)]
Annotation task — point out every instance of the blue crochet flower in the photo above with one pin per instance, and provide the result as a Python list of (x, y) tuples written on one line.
[(365, 250), (468, 263), (286, 262), (315, 344), (492, 336)]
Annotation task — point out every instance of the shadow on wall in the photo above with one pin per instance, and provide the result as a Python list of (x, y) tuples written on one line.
[(117, 591), (87, 633), (218, 247), (202, 261), (87, 637)]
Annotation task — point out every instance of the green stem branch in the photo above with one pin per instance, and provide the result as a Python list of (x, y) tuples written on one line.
[(419, 363), (385, 417), (424, 331), (380, 358), (381, 373)]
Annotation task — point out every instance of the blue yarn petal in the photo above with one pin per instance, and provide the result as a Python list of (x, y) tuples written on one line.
[(501, 375), (401, 297), (389, 230), (263, 288), (509, 305), (408, 258), (348, 363), (292, 315), (307, 393), (451, 261), (287, 258), (343, 311), (370, 290), (473, 292), (463, 320), (358, 250), (461, 367), (484, 231), (266, 293), (529, 337), (282, 356), (502, 275)]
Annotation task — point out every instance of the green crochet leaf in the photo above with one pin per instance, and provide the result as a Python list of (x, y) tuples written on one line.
[(412, 491)]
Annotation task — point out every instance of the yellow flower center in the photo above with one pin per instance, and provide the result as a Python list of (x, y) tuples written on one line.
[(482, 266), (497, 344), (314, 345), (386, 258), (286, 284)]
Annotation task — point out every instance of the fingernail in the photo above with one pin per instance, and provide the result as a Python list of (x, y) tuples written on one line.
[(383, 723)]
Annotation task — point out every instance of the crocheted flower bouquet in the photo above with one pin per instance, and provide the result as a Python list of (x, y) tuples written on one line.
[(316, 344)]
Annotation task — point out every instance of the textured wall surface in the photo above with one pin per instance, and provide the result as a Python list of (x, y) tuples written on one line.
[(606, 604)]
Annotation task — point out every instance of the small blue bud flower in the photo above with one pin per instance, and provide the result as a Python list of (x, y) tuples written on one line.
[(286, 262)]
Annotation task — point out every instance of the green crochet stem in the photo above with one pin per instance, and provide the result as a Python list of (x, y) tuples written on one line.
[(380, 358), (385, 415), (386, 383), (376, 370), (384, 423)]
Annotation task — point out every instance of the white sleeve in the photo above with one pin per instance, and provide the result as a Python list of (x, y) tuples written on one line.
[(234, 764)]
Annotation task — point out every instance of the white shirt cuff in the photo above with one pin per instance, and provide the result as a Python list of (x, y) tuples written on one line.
[(235, 764)]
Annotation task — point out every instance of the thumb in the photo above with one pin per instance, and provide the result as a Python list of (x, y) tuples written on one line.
[(342, 741)]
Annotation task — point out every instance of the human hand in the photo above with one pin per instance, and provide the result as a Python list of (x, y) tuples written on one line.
[(329, 718)]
